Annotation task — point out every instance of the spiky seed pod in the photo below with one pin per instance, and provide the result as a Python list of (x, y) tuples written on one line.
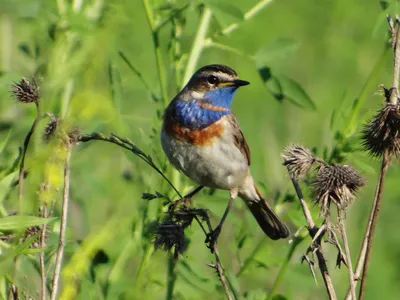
[(382, 133), (170, 234), (26, 91), (337, 184), (298, 160)]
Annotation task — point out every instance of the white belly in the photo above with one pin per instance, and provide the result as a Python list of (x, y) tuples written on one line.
[(218, 165)]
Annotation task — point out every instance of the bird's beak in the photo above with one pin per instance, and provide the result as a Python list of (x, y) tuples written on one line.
[(239, 82)]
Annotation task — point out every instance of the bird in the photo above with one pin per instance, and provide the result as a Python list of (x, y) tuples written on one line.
[(201, 137)]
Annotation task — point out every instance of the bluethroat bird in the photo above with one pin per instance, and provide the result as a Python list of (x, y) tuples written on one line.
[(202, 138)]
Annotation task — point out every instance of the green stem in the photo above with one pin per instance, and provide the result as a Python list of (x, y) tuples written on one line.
[(171, 279), (227, 48), (351, 126), (157, 49), (248, 15), (282, 271), (251, 256), (198, 44)]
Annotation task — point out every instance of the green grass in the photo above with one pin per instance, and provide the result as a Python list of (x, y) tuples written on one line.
[(332, 50)]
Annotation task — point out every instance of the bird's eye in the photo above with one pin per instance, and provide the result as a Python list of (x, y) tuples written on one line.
[(212, 79)]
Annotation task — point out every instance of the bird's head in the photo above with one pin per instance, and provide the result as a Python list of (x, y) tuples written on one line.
[(206, 98), (215, 84)]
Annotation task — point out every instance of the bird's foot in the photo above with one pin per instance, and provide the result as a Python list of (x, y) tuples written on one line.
[(212, 238)]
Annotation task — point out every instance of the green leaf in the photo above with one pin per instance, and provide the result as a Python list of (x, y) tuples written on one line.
[(294, 92), (5, 141), (21, 222), (276, 50), (226, 8), (282, 87)]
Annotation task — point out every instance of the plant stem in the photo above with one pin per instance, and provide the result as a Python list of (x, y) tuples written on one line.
[(396, 64), (248, 15), (157, 49), (312, 229), (128, 145), (218, 265), (24, 151), (171, 277), (41, 257), (372, 223), (349, 130), (347, 251), (198, 44), (284, 267), (63, 225)]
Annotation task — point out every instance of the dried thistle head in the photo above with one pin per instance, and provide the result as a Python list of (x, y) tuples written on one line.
[(382, 133), (337, 184), (298, 160), (170, 234), (26, 91)]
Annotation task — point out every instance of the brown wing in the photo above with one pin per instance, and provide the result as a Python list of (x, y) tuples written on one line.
[(239, 139)]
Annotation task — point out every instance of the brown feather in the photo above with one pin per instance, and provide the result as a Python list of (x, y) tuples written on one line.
[(238, 138), (269, 222)]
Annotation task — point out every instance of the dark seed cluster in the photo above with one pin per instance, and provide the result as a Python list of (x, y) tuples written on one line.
[(26, 91), (337, 184), (170, 234), (382, 133)]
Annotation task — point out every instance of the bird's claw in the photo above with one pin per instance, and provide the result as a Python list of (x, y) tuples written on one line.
[(212, 238)]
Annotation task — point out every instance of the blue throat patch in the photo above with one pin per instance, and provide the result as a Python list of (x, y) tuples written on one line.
[(191, 115)]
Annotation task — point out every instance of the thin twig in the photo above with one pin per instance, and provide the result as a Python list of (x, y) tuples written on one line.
[(363, 262), (372, 222), (42, 242), (63, 225), (128, 145), (396, 63), (218, 265), (312, 231), (157, 49), (347, 251), (24, 150)]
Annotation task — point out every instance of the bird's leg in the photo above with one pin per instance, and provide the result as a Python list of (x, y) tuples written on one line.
[(185, 199), (213, 235)]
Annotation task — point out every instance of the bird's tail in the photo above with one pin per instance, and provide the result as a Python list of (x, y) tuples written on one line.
[(269, 222)]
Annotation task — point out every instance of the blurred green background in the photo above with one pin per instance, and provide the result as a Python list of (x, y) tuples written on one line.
[(335, 53)]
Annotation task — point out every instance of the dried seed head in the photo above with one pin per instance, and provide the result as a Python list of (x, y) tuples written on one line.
[(29, 233), (51, 127), (337, 184), (57, 127), (298, 160), (382, 133), (74, 133), (170, 234), (26, 91)]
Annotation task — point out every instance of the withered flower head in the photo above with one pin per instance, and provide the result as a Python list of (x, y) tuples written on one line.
[(298, 160), (51, 127), (31, 232), (337, 184), (170, 234), (26, 91), (382, 133), (74, 133)]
